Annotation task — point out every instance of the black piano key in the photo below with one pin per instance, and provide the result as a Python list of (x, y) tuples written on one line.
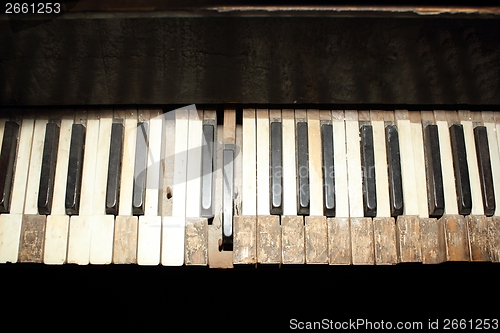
[(75, 167), (302, 169), (7, 162), (328, 170), (485, 174), (207, 169), (227, 213), (368, 167), (48, 170), (140, 167), (114, 169), (435, 188), (276, 159), (462, 181), (394, 169)]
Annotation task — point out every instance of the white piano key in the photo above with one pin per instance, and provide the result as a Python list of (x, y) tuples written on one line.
[(149, 240), (32, 187), (380, 153), (470, 149), (167, 158), (352, 140), (102, 226), (79, 239), (56, 239), (60, 177), (56, 230), (33, 226), (80, 226), (172, 252), (238, 169), (89, 164), (193, 172), (419, 163), (10, 231), (407, 163), (149, 232), (22, 164), (315, 163), (263, 162), (450, 196), (101, 240), (289, 164), (154, 172), (102, 160), (180, 162), (127, 176), (340, 165), (249, 151), (489, 122), (10, 224), (125, 231)]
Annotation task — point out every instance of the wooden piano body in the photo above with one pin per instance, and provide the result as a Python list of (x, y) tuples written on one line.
[(230, 58)]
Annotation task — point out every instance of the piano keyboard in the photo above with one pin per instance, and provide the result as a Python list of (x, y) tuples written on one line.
[(249, 186)]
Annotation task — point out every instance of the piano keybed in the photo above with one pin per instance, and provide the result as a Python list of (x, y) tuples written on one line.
[(249, 186)]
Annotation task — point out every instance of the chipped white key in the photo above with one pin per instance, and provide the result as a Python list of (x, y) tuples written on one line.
[(33, 225), (174, 226), (149, 234)]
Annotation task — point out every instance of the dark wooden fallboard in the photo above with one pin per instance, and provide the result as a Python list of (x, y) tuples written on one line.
[(108, 57)]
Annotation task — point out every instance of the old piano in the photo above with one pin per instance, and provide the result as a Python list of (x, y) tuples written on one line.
[(205, 133)]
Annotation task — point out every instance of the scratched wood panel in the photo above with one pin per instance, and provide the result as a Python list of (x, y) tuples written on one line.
[(433, 241), (339, 241), (125, 240), (362, 241), (268, 239), (456, 238), (384, 239), (292, 238), (477, 227), (196, 249), (32, 238), (316, 240), (408, 238), (245, 239)]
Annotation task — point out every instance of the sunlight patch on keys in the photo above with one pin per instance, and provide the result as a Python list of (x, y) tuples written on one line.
[(174, 226), (149, 232)]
